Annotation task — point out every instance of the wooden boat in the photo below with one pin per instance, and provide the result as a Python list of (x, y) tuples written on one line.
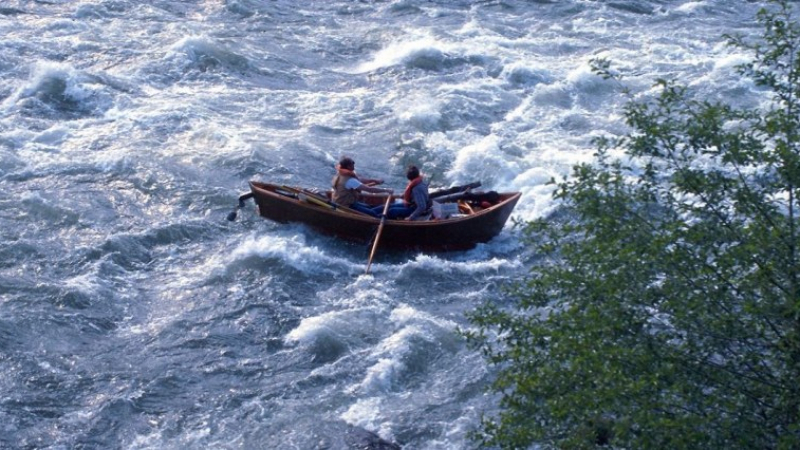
[(475, 223)]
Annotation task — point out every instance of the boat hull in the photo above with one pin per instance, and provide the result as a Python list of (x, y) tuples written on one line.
[(441, 235)]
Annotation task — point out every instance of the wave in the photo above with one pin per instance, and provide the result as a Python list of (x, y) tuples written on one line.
[(417, 340), (525, 74), (203, 54), (100, 11), (485, 160), (292, 251), (59, 91), (636, 7), (398, 378), (331, 335), (426, 53)]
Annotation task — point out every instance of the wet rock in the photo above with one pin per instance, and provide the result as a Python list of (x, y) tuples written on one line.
[(360, 439)]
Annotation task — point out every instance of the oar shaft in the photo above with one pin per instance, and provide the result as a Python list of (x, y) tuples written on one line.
[(311, 197), (380, 230), (242, 199)]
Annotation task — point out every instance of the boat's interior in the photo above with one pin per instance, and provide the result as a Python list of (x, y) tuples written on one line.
[(450, 203), (449, 208)]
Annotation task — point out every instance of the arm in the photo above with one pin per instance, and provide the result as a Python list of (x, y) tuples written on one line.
[(357, 185), (420, 201), (374, 190)]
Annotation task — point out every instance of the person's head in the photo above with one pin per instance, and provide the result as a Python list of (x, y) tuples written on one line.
[(412, 172), (347, 163)]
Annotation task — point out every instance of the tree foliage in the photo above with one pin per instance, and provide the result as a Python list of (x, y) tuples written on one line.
[(666, 311)]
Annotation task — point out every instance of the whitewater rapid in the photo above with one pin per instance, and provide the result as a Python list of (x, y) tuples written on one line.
[(133, 315)]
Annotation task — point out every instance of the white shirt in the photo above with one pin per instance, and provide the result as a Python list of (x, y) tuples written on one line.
[(352, 184)]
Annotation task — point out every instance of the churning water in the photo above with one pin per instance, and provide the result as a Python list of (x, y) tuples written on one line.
[(133, 315)]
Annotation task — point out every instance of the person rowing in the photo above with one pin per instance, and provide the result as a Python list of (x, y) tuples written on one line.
[(347, 185)]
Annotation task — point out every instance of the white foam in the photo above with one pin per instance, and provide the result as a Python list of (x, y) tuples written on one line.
[(552, 95), (292, 250), (389, 366), (526, 73), (198, 47), (537, 201), (335, 110), (422, 51), (420, 111), (53, 136), (583, 79), (348, 326), (381, 376), (365, 291), (434, 264), (47, 76), (84, 283), (728, 63), (483, 160), (414, 337), (365, 413), (690, 7), (724, 71)]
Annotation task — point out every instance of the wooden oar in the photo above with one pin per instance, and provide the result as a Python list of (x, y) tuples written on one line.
[(316, 199), (378, 234)]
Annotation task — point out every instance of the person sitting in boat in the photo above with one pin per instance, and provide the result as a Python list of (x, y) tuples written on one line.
[(347, 185), (416, 200)]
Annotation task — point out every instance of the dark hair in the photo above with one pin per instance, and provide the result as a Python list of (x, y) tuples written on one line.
[(347, 163), (412, 172)]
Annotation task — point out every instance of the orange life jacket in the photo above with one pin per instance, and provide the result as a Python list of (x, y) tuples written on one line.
[(407, 197)]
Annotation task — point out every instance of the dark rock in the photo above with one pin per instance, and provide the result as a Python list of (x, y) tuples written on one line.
[(360, 439)]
